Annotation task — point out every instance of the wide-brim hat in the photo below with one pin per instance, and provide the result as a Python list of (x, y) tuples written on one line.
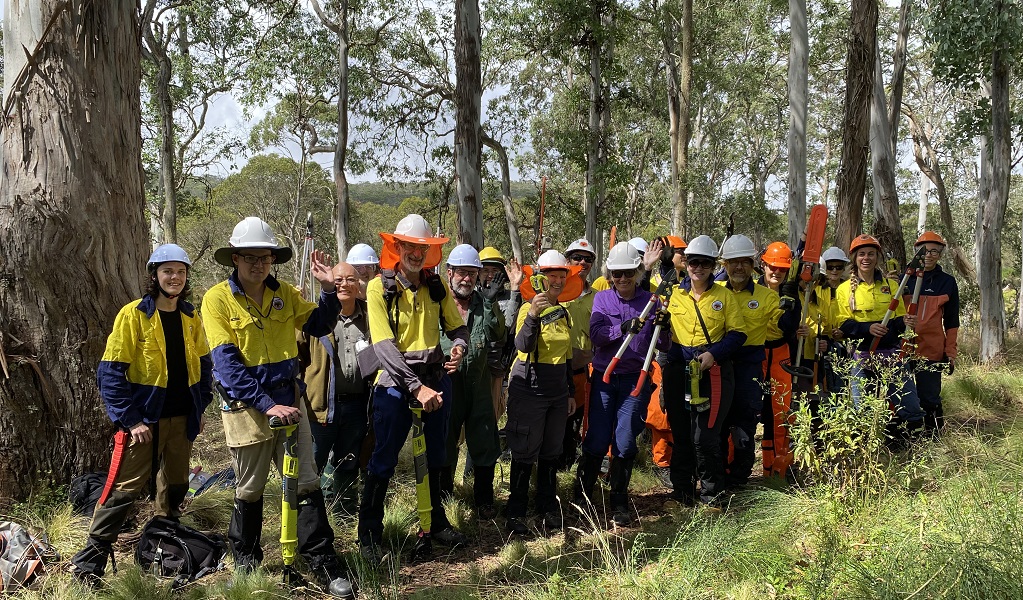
[(252, 233), (415, 230), (574, 284)]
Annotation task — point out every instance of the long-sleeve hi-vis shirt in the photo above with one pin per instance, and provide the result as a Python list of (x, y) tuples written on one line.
[(762, 313), (412, 347), (823, 315), (255, 351), (132, 374), (721, 314), (579, 311), (858, 311), (544, 347)]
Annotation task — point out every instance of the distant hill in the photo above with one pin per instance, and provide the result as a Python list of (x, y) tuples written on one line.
[(393, 194)]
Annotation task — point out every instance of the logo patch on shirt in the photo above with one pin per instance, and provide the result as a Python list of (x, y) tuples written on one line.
[(717, 305), (277, 303), (886, 289), (753, 304)]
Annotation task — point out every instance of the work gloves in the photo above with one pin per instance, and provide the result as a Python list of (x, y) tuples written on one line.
[(631, 326)]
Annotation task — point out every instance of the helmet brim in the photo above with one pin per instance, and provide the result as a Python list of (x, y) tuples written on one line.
[(281, 255), (390, 257), (574, 284)]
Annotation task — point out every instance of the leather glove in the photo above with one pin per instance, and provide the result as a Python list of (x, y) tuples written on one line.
[(663, 318), (631, 326), (950, 366)]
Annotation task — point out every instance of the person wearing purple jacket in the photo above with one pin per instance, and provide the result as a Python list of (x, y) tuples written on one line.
[(616, 417)]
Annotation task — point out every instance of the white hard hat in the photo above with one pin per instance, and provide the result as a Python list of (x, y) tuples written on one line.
[(580, 244), (253, 233), (362, 254), (552, 259), (638, 243), (702, 246), (623, 256), (833, 253), (464, 255), (415, 228), (738, 246)]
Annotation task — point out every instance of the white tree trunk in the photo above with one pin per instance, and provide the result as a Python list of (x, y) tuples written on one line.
[(799, 52), (887, 224), (925, 191)]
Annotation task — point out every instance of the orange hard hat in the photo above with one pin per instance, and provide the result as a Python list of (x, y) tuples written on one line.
[(778, 255), (930, 237), (676, 242), (864, 240)]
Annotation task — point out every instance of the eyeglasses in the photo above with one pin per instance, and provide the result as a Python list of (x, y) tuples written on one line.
[(465, 273), (420, 248), (934, 251), (263, 260), (586, 258), (834, 267), (621, 274), (700, 263), (346, 281)]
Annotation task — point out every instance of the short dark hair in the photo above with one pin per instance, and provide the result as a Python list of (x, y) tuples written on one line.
[(153, 286)]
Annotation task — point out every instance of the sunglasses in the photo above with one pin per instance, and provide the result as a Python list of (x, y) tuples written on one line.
[(621, 274), (581, 258), (834, 267), (701, 263)]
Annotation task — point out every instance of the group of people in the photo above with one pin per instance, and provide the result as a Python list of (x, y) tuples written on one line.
[(394, 339)]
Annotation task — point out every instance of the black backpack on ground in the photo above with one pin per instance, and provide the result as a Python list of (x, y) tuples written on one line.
[(85, 492), (170, 549)]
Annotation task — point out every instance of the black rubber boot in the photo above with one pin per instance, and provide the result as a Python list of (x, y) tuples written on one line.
[(175, 497), (483, 491), (244, 533), (346, 501), (371, 518), (620, 476), (91, 562), (547, 503), (934, 420), (518, 497), (585, 478)]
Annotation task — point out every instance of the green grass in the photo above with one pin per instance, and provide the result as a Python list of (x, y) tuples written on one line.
[(944, 520)]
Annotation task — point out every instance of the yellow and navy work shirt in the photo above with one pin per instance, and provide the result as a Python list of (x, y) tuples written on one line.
[(544, 346), (579, 311), (823, 314), (868, 305), (255, 351), (412, 349), (132, 374), (762, 313), (721, 314)]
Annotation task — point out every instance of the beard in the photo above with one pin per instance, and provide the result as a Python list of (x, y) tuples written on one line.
[(462, 291)]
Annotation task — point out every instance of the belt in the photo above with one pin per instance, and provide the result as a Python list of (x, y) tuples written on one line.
[(360, 397)]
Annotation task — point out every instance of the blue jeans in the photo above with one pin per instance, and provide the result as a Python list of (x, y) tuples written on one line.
[(392, 420), (901, 392), (616, 417)]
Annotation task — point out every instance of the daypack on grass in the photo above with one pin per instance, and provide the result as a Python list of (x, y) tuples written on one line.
[(171, 549), (85, 492), (21, 556)]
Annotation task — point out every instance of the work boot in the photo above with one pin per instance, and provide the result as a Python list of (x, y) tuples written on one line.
[(483, 492), (90, 563), (371, 519), (620, 476), (934, 420), (663, 476), (331, 577), (423, 549), (585, 479), (175, 497), (315, 535), (547, 503), (244, 534), (518, 497)]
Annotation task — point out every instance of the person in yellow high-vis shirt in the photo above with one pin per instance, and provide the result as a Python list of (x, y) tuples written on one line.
[(707, 329), (155, 379), (862, 304), (581, 253), (251, 321)]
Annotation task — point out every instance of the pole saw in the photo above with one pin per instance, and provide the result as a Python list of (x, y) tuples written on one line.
[(911, 268), (424, 505), (809, 259), (307, 250), (289, 499), (539, 232)]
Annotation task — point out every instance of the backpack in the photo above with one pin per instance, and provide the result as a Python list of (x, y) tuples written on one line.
[(171, 549), (21, 556), (85, 492)]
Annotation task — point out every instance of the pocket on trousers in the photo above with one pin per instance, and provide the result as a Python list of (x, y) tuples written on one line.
[(517, 435)]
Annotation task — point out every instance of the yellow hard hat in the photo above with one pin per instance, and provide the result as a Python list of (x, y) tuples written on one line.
[(491, 254)]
